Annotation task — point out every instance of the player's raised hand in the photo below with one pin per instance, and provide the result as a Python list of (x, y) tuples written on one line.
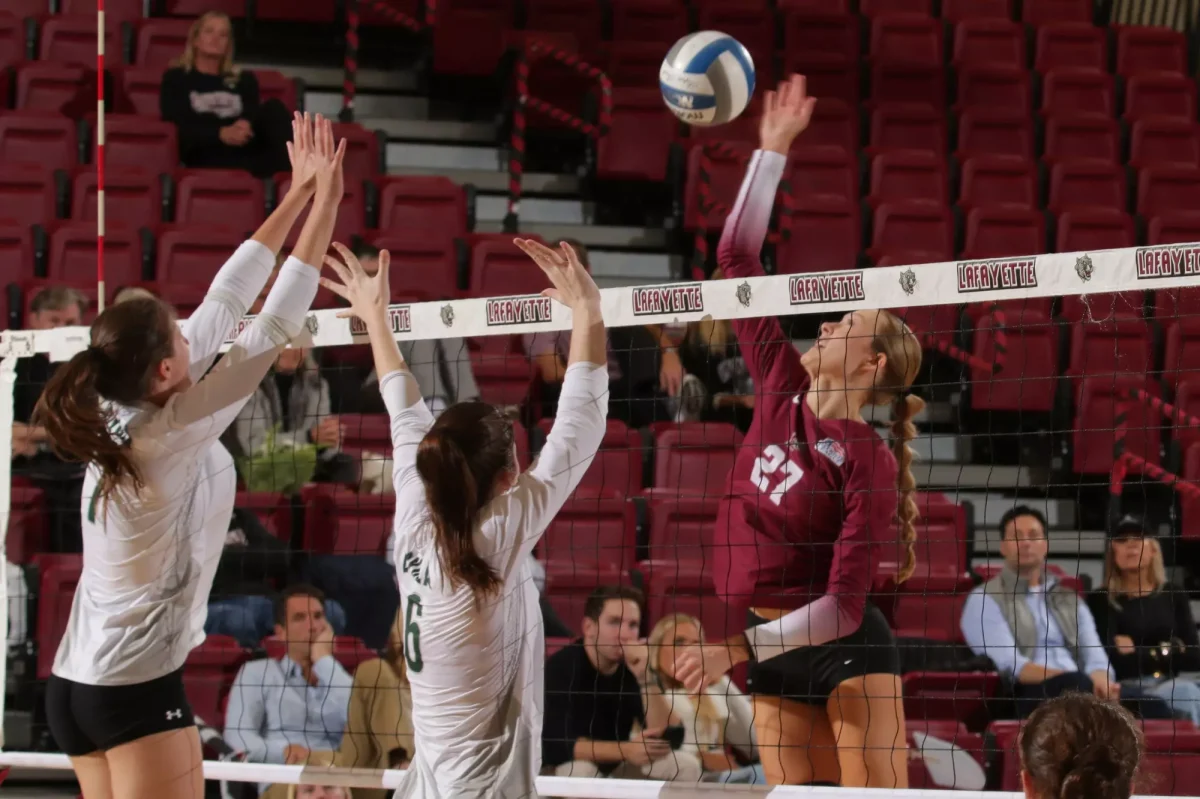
[(328, 155), (701, 665), (302, 154), (368, 295), (573, 286), (786, 113)]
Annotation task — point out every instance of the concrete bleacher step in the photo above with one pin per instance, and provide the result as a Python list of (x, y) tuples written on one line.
[(495, 180), (443, 131), (953, 476), (1062, 542), (989, 508), (493, 208), (368, 106), (330, 78)]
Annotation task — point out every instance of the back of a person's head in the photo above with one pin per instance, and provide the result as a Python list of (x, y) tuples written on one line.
[(1080, 747), (463, 461)]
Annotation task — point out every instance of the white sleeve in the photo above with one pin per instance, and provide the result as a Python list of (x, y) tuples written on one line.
[(514, 522), (199, 415), (233, 291), (410, 420)]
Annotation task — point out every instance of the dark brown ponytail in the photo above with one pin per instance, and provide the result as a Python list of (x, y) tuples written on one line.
[(129, 341), (1081, 747), (459, 461)]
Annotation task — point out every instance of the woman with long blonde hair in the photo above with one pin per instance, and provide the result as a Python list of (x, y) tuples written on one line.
[(1146, 622), (809, 514), (216, 107), (715, 720)]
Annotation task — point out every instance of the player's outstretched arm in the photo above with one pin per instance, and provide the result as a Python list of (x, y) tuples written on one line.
[(241, 279), (771, 359), (209, 406)]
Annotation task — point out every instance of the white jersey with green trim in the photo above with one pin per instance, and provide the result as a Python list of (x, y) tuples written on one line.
[(149, 557), (476, 670)]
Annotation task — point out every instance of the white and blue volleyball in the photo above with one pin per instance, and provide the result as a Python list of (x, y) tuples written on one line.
[(707, 78)]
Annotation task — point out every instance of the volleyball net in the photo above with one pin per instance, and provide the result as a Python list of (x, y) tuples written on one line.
[(1061, 382)]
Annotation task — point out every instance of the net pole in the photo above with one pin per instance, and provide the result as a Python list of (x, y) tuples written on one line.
[(100, 155), (8, 384)]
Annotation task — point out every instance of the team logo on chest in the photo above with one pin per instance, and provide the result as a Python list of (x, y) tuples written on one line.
[(833, 450)]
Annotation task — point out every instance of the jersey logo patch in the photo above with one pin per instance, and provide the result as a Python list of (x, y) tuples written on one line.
[(833, 450)]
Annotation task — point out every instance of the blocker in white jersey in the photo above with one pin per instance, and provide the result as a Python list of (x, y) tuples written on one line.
[(144, 407), (466, 523)]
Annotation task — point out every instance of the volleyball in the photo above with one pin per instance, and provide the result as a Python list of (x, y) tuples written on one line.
[(707, 78)]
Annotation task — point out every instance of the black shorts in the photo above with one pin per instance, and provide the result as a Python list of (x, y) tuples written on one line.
[(810, 674), (96, 718)]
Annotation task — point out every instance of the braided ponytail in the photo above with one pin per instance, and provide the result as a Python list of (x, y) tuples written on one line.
[(904, 408)]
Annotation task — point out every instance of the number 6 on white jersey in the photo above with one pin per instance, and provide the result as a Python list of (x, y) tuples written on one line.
[(765, 469)]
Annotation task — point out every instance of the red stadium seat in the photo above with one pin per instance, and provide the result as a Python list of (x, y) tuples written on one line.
[(637, 144), (1177, 304), (27, 8), (935, 324), (421, 264), (59, 576), (649, 21), (901, 175), (434, 205), (1078, 91), (1028, 378), (680, 586), (907, 127), (1087, 185), (364, 151), (367, 431), (915, 84), (913, 226), (27, 194), (274, 85), (1163, 189), (834, 33), (634, 64), (1115, 347), (1187, 401), (469, 36), (38, 137), (681, 525), (1042, 12), (114, 10), (906, 39), (219, 198), (273, 510), (1001, 232), (593, 529), (27, 520), (192, 255), (998, 180), (71, 39), (504, 374), (340, 521), (987, 40), (1160, 94), (208, 675), (66, 88), (134, 198), (12, 40), (1094, 437), (1071, 45), (994, 87), (1103, 307), (16, 252), (73, 255), (499, 269), (829, 76), (826, 235), (814, 171), (1174, 227), (1165, 140), (568, 584), (948, 695), (314, 11), (194, 8), (160, 41), (1142, 48), (138, 91), (834, 7), (1190, 507), (833, 124), (1082, 137), (351, 212), (875, 8), (582, 19), (1181, 359), (617, 468), (695, 457), (139, 142), (929, 606), (753, 27), (959, 10), (725, 167), (995, 132), (1086, 229)]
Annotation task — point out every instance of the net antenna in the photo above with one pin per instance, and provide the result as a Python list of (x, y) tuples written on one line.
[(100, 155)]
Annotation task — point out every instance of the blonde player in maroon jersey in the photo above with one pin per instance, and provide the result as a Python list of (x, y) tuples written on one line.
[(809, 511)]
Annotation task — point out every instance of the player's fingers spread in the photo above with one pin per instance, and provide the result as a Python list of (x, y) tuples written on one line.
[(334, 286), (384, 274), (352, 264), (339, 269), (801, 84)]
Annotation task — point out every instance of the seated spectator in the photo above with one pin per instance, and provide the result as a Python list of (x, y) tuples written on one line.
[(1146, 622), (1039, 633), (282, 710), (1079, 747), (379, 731), (594, 699), (647, 377), (721, 718), (215, 106), (323, 759), (62, 481)]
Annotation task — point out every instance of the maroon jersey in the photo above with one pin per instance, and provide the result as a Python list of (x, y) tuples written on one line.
[(810, 501)]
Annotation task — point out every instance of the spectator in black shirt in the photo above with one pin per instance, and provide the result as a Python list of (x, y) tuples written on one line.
[(594, 695), (216, 108), (1147, 623)]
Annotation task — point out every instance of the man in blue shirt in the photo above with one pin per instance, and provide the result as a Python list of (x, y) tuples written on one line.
[(281, 710), (1039, 633)]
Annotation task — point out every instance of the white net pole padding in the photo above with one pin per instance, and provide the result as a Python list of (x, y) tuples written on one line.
[(565, 787), (8, 383), (951, 282)]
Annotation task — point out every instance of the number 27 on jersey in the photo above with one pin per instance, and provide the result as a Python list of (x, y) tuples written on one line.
[(775, 474)]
